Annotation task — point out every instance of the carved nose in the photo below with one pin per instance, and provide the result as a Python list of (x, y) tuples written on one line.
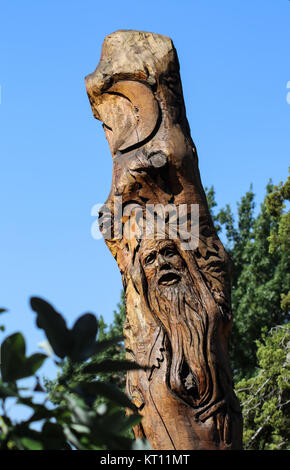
[(165, 267), (163, 264)]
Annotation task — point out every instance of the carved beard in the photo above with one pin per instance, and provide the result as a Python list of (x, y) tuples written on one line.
[(187, 326)]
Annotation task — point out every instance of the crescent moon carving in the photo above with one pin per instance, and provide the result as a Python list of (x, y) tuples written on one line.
[(134, 117)]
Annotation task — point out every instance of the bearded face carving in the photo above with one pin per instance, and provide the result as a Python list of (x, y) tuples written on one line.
[(172, 299), (177, 300), (161, 263)]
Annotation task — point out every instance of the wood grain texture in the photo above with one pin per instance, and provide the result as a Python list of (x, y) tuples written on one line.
[(178, 300)]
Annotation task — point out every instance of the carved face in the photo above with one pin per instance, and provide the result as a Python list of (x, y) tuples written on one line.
[(173, 298), (161, 262)]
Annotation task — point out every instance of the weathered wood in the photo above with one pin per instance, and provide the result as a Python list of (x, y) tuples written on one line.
[(178, 299)]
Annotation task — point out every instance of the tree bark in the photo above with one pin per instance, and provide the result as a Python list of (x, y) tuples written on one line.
[(175, 271)]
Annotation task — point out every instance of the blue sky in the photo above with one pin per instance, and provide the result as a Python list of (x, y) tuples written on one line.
[(55, 161)]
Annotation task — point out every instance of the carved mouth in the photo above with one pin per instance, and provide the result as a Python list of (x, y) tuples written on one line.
[(168, 279)]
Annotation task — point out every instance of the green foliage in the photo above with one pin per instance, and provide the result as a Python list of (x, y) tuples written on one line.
[(14, 363), (279, 238), (77, 421), (117, 350), (259, 247), (265, 397), (108, 351), (78, 343), (210, 196), (260, 284), (2, 310)]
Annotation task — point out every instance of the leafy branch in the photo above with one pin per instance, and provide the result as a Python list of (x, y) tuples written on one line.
[(77, 423)]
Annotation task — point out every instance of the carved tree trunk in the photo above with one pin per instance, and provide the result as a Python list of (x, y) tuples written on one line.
[(177, 285)]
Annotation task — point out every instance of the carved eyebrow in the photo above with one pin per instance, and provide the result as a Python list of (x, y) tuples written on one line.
[(170, 249)]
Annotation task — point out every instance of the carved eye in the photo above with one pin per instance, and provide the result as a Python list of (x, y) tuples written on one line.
[(150, 258), (168, 252)]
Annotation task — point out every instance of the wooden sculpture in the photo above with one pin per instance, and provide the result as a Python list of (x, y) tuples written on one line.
[(177, 280)]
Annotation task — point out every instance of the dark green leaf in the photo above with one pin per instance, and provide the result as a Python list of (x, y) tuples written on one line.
[(8, 391), (32, 364), (131, 421), (22, 430), (14, 364), (101, 346), (84, 334), (119, 422), (12, 357), (110, 366), (31, 444), (53, 437), (109, 391), (54, 325), (119, 443), (79, 410)]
